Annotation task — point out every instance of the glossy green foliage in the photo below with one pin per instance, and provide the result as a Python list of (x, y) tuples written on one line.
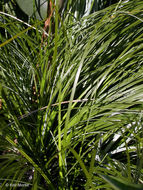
[(74, 101), (120, 184), (37, 8)]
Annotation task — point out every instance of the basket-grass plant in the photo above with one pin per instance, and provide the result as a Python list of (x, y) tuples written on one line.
[(71, 112)]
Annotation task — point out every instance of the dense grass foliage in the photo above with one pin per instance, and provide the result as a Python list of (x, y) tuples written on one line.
[(71, 106)]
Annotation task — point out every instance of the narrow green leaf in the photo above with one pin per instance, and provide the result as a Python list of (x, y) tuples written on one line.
[(119, 184)]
